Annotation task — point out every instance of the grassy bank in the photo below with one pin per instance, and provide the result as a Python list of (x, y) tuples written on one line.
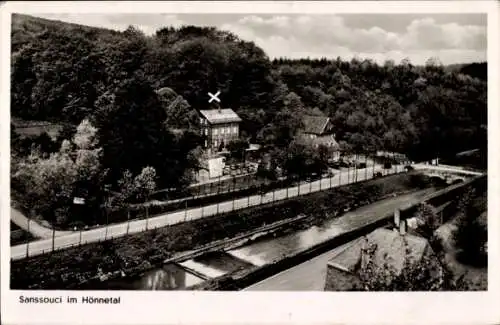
[(139, 252), (18, 235)]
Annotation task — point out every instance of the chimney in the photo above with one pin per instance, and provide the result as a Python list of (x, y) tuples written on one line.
[(402, 227), (396, 218)]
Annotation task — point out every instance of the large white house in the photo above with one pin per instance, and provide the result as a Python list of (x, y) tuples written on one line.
[(218, 127)]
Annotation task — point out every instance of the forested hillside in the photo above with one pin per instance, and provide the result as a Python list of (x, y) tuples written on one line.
[(67, 73)]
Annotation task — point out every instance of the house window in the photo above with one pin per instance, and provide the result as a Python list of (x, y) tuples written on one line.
[(215, 131), (235, 129), (206, 131)]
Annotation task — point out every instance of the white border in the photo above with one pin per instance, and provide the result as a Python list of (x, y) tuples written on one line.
[(252, 307)]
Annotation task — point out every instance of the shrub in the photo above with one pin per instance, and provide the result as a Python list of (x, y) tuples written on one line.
[(426, 274), (470, 235)]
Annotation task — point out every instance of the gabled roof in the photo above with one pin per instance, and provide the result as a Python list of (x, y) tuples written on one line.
[(315, 124), (391, 249), (223, 115)]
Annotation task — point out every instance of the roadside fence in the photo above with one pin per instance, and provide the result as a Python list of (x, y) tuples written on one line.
[(153, 216)]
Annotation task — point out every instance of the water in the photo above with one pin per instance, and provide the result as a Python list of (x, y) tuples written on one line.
[(168, 277), (267, 250), (215, 264), (271, 249)]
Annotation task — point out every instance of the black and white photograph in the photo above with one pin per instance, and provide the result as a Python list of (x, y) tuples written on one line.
[(241, 151)]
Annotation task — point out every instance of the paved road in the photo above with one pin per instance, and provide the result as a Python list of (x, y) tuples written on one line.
[(310, 275), (122, 229), (36, 229)]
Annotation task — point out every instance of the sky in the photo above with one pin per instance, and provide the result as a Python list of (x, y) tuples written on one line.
[(453, 38)]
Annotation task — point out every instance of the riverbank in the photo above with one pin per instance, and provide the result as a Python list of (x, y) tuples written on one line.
[(140, 252)]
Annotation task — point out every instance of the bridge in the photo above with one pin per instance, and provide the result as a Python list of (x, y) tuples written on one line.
[(450, 174)]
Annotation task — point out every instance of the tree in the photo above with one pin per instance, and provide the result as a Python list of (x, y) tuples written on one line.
[(133, 189), (68, 73), (86, 135), (427, 220), (470, 235), (178, 111), (130, 122), (50, 183), (23, 79), (237, 148), (285, 124), (302, 159), (145, 183)]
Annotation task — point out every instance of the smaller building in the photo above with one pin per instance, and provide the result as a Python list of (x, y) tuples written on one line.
[(391, 248), (219, 127), (318, 130)]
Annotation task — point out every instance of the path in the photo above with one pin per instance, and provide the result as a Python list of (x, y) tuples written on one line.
[(36, 229)]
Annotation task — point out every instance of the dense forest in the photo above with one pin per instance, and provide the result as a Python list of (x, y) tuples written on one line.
[(134, 98)]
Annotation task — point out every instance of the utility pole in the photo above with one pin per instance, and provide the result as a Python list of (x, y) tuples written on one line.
[(373, 167), (147, 215), (28, 243), (348, 168), (53, 233), (355, 174), (366, 166), (128, 219), (107, 220)]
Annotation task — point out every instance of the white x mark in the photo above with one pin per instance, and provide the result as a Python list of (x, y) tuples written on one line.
[(214, 97)]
